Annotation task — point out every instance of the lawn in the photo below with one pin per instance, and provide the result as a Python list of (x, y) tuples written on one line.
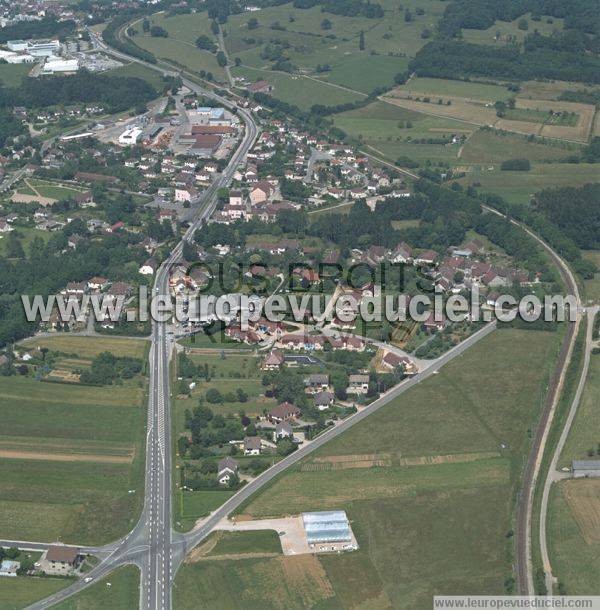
[(19, 592), (123, 592), (486, 146), (192, 505), (26, 235), (518, 187), (573, 535), (432, 517), (53, 190), (11, 75), (72, 453)]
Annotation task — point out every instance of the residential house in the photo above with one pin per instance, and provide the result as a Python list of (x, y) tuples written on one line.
[(283, 430), (252, 445), (227, 468), (323, 400), (149, 267), (316, 382), (273, 361), (358, 384), (283, 412)]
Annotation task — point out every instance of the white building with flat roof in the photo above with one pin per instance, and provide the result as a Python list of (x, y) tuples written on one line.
[(54, 65), (17, 45), (43, 48), (130, 136)]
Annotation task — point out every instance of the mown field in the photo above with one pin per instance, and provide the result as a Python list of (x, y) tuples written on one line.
[(486, 146), (518, 187), (138, 71), (19, 592), (122, 593), (584, 438), (574, 535), (432, 518), (71, 453)]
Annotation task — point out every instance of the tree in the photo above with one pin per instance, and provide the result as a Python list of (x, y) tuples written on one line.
[(157, 32), (326, 24), (523, 25), (221, 59), (206, 43), (361, 41), (214, 396), (146, 25), (252, 23)]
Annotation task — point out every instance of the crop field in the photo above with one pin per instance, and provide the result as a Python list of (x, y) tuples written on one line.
[(122, 593), (476, 106), (584, 437), (574, 535), (11, 75), (487, 146), (419, 86), (503, 32), (85, 347), (518, 187), (71, 452), (437, 494)]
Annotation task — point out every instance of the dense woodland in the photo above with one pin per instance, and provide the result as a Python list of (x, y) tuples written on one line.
[(115, 93), (49, 27)]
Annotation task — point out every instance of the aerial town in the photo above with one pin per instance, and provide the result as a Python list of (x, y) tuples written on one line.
[(307, 164)]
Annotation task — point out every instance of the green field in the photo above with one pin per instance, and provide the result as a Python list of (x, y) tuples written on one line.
[(584, 436), (298, 90), (386, 129), (455, 88), (25, 235), (71, 452), (182, 53), (235, 543), (518, 187), (11, 75), (503, 32), (433, 518), (53, 190), (123, 593), (573, 541), (192, 505), (592, 287), (486, 146), (19, 592), (88, 348), (138, 71)]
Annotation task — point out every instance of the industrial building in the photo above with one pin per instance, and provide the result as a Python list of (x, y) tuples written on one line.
[(585, 468), (327, 526), (43, 48), (16, 58), (130, 136), (17, 45)]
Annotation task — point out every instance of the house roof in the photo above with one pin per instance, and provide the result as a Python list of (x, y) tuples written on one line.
[(64, 554), (251, 443), (227, 463), (284, 410)]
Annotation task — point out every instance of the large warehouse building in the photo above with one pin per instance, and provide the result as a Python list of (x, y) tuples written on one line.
[(327, 526)]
